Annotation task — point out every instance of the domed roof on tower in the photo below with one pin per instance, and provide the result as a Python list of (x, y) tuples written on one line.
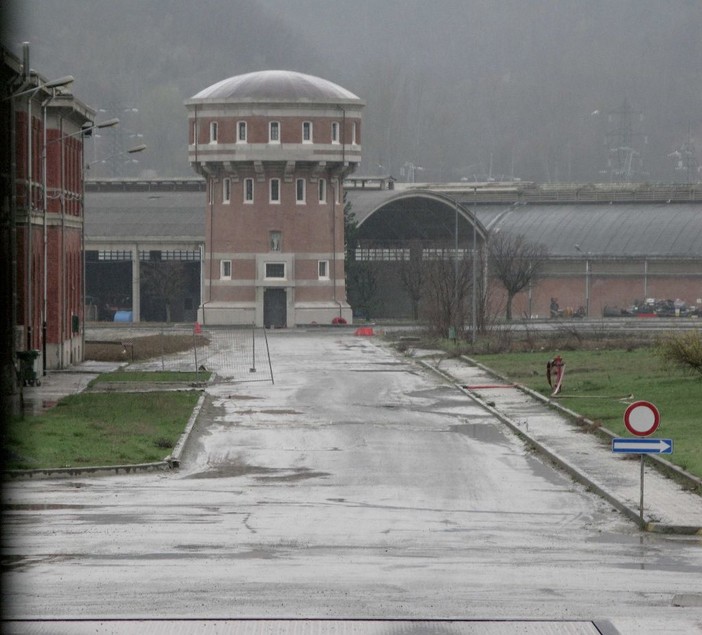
[(267, 86)]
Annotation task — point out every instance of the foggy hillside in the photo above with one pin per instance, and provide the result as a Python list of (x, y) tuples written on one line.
[(532, 89)]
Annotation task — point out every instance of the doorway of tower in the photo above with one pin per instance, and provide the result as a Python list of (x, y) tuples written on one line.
[(275, 308)]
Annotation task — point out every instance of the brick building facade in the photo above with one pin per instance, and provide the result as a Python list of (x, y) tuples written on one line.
[(47, 126), (274, 147)]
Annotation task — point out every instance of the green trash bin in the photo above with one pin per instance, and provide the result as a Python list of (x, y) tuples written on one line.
[(26, 373)]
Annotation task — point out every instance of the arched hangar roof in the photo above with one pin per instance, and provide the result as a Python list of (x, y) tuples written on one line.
[(276, 86), (620, 230), (416, 215)]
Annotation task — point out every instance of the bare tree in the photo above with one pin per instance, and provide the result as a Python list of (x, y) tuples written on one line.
[(166, 281), (515, 262), (413, 276), (448, 292)]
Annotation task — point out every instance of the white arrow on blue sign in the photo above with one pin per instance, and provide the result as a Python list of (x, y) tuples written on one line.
[(643, 446)]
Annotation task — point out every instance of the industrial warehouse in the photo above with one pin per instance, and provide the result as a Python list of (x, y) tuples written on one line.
[(608, 246)]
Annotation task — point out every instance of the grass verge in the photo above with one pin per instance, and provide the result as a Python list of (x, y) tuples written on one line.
[(99, 429), (597, 381)]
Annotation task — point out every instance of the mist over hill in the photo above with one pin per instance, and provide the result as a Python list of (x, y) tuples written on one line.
[(544, 90)]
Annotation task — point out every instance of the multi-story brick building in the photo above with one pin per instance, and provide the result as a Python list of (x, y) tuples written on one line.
[(46, 125), (275, 147)]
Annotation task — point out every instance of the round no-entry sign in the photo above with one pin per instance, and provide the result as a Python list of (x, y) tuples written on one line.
[(642, 418)]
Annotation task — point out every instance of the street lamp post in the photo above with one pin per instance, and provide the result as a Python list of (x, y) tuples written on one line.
[(587, 279), (474, 304)]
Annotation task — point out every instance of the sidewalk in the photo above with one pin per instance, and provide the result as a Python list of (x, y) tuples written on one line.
[(61, 383), (668, 508)]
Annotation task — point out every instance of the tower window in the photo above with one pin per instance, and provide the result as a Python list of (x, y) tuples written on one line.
[(323, 269), (275, 270), (306, 132), (322, 190), (275, 190), (214, 128), (300, 190), (335, 132), (241, 132), (225, 269), (248, 190), (274, 132), (226, 190)]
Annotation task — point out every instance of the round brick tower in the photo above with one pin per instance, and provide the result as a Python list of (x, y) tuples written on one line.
[(275, 147)]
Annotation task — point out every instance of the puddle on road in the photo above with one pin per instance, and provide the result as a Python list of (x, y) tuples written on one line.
[(33, 507), (299, 474), (485, 432), (279, 411), (260, 473)]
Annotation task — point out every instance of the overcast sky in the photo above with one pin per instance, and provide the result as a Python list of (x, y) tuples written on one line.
[(545, 90)]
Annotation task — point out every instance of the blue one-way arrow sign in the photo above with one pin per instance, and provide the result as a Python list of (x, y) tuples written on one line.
[(643, 446)]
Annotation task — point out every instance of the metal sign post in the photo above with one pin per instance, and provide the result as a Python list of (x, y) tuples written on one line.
[(642, 419)]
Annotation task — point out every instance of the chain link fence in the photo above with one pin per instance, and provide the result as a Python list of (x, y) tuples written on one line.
[(234, 354)]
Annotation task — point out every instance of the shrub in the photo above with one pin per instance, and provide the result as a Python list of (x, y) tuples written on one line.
[(682, 350)]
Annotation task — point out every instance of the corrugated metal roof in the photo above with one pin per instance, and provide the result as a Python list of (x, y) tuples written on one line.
[(152, 215), (638, 229), (622, 229), (275, 85)]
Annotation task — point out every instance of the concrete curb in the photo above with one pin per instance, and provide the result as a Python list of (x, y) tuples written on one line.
[(562, 463), (171, 462), (174, 458), (66, 472), (690, 480)]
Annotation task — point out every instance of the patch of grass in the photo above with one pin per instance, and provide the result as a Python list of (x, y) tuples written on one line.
[(99, 429), (151, 376), (597, 381)]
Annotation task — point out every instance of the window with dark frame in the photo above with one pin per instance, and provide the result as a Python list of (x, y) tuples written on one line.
[(307, 132), (226, 190), (274, 132), (275, 190), (275, 270)]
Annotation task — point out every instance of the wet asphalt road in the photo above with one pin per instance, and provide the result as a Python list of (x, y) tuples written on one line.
[(357, 485)]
